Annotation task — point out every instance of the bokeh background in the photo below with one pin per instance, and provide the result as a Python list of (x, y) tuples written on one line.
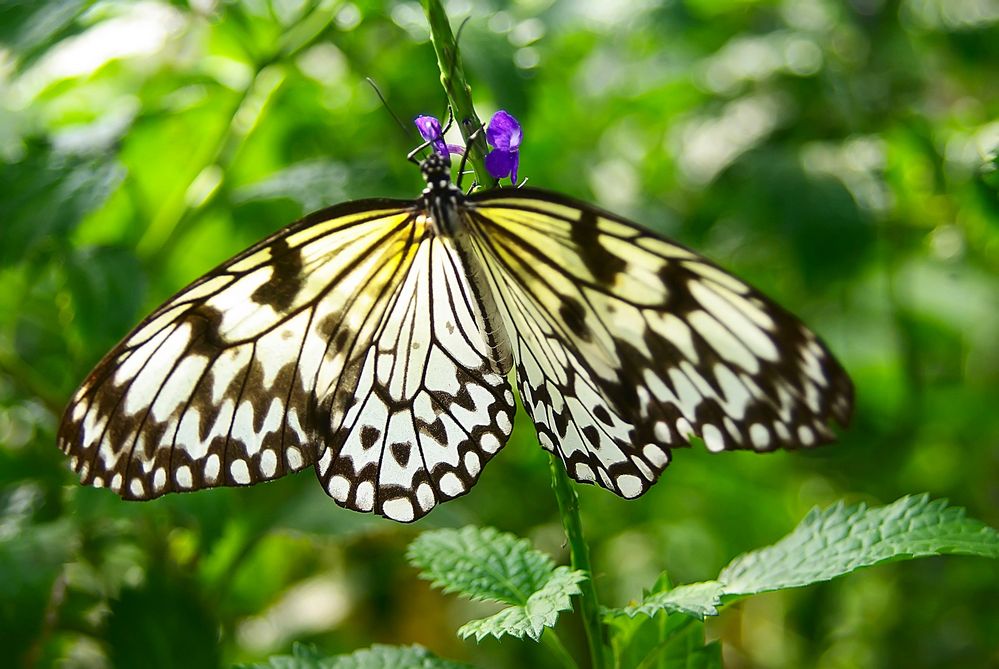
[(839, 154)]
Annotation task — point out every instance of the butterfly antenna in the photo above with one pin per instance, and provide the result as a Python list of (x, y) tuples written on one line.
[(405, 129)]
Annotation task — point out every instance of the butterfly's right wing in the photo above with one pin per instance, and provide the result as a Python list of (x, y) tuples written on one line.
[(222, 385), (628, 344)]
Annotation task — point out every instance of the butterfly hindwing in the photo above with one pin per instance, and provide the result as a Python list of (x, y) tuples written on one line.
[(627, 345), (431, 406)]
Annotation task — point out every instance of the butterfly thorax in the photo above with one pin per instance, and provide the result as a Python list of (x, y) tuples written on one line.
[(441, 198)]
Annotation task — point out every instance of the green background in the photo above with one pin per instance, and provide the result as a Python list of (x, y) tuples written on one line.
[(839, 155)]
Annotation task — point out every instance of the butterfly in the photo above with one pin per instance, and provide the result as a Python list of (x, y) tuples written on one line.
[(374, 341)]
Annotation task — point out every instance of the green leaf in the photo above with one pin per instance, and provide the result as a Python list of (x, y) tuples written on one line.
[(376, 657), (481, 563), (539, 611), (842, 539), (484, 564), (696, 599), (830, 543)]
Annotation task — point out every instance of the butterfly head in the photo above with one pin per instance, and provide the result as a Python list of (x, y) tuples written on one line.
[(436, 171)]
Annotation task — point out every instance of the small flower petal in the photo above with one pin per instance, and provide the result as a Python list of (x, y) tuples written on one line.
[(431, 130), (504, 132), (500, 163)]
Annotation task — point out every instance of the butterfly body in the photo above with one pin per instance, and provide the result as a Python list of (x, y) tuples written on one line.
[(374, 340)]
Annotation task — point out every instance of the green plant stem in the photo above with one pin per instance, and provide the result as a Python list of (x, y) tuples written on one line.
[(579, 552), (655, 654), (459, 93), (554, 643)]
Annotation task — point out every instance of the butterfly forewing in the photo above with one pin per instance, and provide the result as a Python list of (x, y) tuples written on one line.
[(627, 345), (221, 385)]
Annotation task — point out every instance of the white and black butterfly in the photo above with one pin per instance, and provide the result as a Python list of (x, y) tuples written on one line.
[(373, 340)]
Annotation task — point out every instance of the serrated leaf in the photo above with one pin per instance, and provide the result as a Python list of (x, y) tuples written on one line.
[(696, 599), (481, 563), (838, 540), (377, 657), (830, 543), (539, 611)]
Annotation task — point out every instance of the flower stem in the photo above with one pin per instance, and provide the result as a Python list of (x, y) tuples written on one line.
[(579, 553), (550, 639), (459, 93)]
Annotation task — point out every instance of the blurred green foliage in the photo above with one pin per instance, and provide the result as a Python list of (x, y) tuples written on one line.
[(839, 154)]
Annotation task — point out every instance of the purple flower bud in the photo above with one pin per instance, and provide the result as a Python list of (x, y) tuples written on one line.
[(505, 134), (431, 130)]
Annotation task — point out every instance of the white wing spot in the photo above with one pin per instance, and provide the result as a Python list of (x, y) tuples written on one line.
[(450, 485), (365, 498), (212, 467), (657, 455), (240, 472), (629, 485), (400, 509), (183, 476), (159, 479), (472, 463), (339, 488), (425, 494), (489, 442), (759, 435), (713, 438), (268, 463)]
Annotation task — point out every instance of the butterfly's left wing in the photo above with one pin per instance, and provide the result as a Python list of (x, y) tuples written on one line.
[(222, 384), (626, 344), (431, 404)]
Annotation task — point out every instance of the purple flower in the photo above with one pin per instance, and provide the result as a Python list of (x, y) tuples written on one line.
[(505, 135), (431, 130)]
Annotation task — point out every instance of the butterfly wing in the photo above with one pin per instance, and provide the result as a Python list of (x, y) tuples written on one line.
[(351, 340), (217, 386), (432, 404), (626, 344)]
